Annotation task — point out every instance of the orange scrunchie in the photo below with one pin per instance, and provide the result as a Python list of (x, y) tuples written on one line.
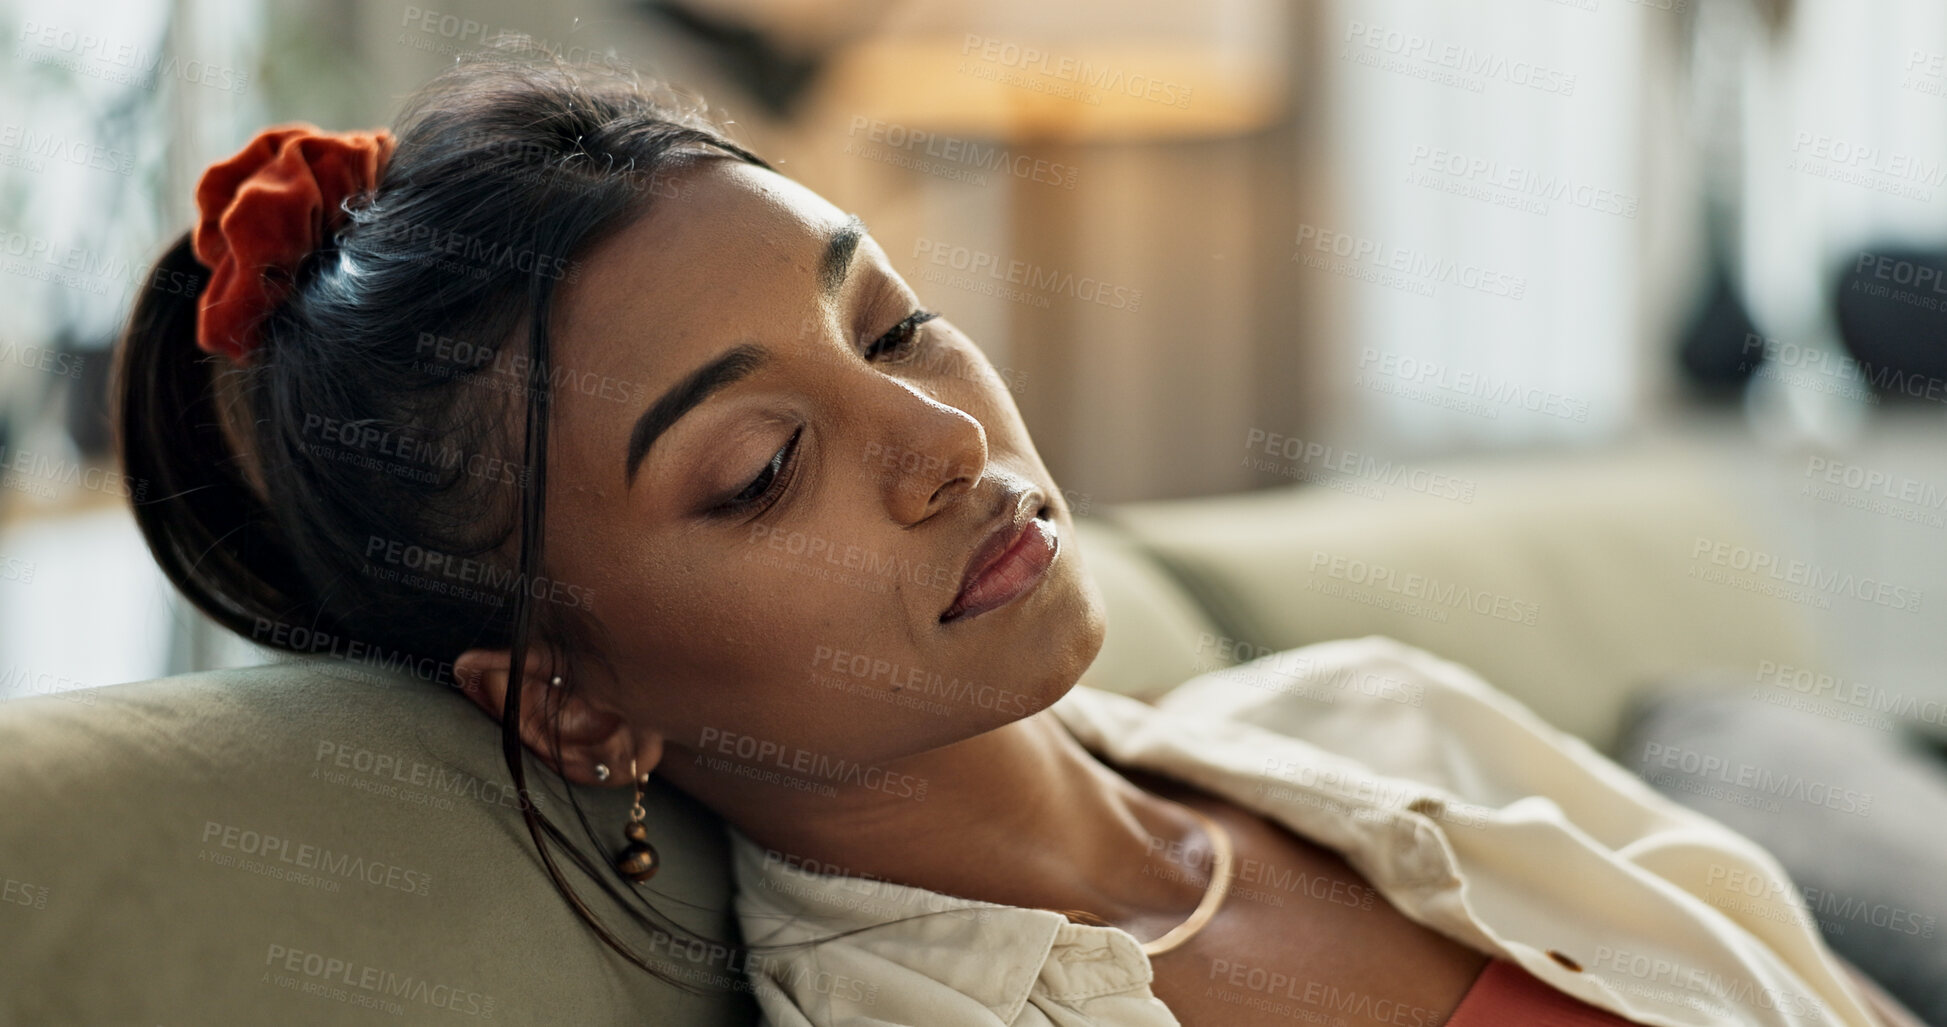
[(268, 207)]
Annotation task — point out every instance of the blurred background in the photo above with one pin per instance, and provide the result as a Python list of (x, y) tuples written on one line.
[(1213, 247)]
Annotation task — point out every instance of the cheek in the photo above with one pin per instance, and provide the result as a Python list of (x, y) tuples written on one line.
[(742, 636), (768, 648)]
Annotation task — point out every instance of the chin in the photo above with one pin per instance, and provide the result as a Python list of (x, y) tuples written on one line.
[(1073, 624)]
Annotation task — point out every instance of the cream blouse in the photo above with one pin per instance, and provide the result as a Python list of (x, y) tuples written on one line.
[(1460, 806)]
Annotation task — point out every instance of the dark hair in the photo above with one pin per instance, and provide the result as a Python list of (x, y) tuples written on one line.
[(388, 378)]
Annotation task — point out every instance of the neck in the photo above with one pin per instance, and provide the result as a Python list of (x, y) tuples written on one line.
[(1023, 815)]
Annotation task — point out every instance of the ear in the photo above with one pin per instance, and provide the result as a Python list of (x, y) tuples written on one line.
[(588, 734)]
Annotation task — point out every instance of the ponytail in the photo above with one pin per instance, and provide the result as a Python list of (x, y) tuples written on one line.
[(209, 529)]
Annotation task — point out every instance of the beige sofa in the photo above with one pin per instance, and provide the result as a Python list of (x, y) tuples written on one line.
[(314, 842)]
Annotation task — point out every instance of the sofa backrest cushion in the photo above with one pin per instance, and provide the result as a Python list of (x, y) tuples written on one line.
[(1157, 637), (318, 842), (1568, 582)]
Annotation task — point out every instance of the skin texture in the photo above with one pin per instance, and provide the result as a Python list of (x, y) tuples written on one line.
[(731, 632)]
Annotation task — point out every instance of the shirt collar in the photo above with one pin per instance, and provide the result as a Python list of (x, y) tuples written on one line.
[(779, 903)]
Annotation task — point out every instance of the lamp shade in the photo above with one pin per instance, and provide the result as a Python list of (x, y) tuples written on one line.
[(1067, 71)]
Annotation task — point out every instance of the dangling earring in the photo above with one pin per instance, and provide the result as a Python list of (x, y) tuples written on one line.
[(638, 860)]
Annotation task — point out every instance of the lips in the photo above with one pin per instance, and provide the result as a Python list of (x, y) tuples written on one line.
[(1009, 562)]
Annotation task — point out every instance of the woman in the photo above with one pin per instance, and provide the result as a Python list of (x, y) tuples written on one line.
[(564, 387)]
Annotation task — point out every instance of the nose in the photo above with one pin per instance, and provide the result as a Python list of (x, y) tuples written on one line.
[(928, 453)]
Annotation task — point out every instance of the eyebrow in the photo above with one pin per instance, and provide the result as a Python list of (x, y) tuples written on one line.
[(839, 252), (736, 364), (739, 361)]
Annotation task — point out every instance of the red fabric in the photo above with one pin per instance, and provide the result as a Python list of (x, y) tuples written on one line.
[(268, 207), (1505, 995)]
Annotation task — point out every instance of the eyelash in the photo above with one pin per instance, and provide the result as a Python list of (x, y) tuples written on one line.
[(897, 340), (777, 470)]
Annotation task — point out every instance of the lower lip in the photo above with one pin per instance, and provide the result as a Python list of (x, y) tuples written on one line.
[(1017, 571)]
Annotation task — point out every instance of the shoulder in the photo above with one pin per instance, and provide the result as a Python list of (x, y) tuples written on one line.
[(1369, 674), (1398, 710), (1344, 689)]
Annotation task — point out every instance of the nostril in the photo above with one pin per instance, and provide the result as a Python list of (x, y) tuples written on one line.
[(945, 491)]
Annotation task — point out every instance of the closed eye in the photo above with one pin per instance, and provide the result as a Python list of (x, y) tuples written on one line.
[(897, 342), (764, 489)]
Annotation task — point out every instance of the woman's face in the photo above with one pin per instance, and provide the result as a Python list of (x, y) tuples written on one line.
[(777, 497)]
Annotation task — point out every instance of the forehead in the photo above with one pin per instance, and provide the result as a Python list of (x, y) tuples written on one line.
[(732, 248)]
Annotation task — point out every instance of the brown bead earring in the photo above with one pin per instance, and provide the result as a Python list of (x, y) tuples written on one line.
[(638, 860)]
